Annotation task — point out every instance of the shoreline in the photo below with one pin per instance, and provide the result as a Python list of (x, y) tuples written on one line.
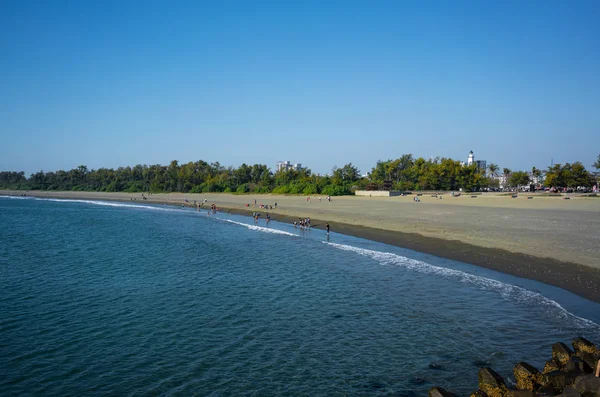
[(579, 279)]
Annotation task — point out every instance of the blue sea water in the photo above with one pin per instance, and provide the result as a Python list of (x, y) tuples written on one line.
[(100, 298)]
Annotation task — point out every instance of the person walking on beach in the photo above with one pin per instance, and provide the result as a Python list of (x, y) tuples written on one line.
[(327, 228)]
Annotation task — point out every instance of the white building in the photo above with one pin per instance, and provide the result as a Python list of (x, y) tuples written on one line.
[(286, 166), (481, 164), (502, 181)]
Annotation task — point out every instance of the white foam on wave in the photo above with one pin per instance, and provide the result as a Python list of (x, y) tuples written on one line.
[(109, 204), (507, 291), (262, 229), (16, 197)]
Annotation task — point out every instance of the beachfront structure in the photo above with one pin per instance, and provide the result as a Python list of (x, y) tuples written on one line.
[(481, 164), (502, 181), (286, 166)]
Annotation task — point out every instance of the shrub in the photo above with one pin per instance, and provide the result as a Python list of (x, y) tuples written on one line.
[(244, 188), (283, 189), (310, 189)]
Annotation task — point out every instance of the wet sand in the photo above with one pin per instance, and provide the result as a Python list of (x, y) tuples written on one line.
[(547, 239)]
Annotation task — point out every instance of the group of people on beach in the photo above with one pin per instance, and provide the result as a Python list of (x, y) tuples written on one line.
[(264, 206), (303, 223), (256, 216)]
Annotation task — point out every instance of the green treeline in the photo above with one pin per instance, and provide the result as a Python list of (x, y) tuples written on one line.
[(404, 173)]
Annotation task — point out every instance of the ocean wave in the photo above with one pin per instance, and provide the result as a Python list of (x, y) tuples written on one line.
[(109, 204), (262, 229), (16, 197), (507, 291)]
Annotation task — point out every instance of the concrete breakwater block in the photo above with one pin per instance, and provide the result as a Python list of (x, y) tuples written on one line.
[(569, 373)]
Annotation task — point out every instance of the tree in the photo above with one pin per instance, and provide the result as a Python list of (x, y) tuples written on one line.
[(536, 173), (493, 168), (519, 178), (569, 175), (347, 174), (597, 163)]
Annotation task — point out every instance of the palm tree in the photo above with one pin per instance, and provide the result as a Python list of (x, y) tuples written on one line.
[(493, 168), (536, 173), (506, 172)]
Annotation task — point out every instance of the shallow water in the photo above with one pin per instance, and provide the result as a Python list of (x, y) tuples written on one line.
[(117, 298)]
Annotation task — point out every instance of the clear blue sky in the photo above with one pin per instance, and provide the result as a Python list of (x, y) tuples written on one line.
[(324, 83)]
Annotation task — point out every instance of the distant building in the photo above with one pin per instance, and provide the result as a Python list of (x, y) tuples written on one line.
[(537, 180), (502, 181), (286, 166), (481, 164)]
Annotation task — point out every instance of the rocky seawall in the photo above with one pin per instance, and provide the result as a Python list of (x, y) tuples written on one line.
[(569, 373)]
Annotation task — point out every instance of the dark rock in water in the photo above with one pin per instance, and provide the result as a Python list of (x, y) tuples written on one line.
[(527, 376), (590, 359), (435, 366), (481, 363), (550, 366), (478, 393), (588, 385), (417, 381), (491, 383), (561, 379), (561, 353), (440, 392), (582, 345), (576, 364), (570, 393), (523, 393), (547, 390)]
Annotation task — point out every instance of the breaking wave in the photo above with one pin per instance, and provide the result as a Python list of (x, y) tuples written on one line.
[(507, 291), (261, 228)]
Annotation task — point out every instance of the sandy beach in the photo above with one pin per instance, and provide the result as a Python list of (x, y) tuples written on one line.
[(547, 239)]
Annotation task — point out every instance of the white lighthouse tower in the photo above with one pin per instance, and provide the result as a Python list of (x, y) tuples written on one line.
[(471, 159)]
